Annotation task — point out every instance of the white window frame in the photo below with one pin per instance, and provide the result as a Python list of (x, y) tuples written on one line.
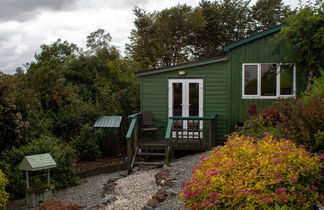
[(258, 95)]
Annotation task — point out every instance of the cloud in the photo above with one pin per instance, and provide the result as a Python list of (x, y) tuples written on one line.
[(46, 21), (22, 10)]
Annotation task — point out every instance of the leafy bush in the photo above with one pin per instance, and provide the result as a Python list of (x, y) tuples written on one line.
[(294, 119), (3, 194), (249, 173), (63, 176), (87, 143), (68, 120)]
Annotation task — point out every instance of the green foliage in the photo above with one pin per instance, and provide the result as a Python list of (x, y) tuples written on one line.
[(295, 119), (252, 173), (164, 38), (268, 13), (316, 88), (305, 38), (63, 176), (87, 143), (64, 89), (182, 33), (3, 194), (227, 22), (68, 120), (12, 124)]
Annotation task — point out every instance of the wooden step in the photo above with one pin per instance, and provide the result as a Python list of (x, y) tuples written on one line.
[(149, 163), (151, 154), (151, 146)]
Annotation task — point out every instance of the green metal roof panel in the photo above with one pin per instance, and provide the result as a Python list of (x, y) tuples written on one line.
[(108, 122), (277, 28), (37, 162), (181, 66)]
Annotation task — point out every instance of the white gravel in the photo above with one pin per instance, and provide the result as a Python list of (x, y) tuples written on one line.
[(133, 191), (89, 193)]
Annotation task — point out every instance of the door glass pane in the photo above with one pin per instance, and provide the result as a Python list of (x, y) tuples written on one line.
[(177, 99), (250, 79), (268, 79), (194, 99), (286, 80), (193, 105)]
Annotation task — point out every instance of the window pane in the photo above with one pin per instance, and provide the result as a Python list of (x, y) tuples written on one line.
[(250, 79), (194, 99), (286, 80), (177, 99), (268, 79)]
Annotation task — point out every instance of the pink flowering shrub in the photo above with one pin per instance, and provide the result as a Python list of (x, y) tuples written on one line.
[(249, 173)]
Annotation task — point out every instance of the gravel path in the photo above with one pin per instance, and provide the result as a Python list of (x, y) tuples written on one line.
[(134, 191), (89, 193), (181, 169), (131, 192)]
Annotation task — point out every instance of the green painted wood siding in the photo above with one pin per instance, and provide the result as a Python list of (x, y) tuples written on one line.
[(154, 94), (258, 51)]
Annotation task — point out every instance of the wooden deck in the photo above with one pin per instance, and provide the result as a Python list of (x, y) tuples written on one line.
[(176, 144), (197, 137)]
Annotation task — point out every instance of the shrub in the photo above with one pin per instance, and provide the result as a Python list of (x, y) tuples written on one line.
[(294, 119), (64, 175), (3, 194), (249, 173), (87, 143)]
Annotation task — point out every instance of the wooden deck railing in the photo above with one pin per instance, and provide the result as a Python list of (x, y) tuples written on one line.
[(132, 139), (188, 133)]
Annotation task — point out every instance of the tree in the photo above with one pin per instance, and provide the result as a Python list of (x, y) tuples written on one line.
[(268, 13), (12, 124), (304, 36), (164, 38), (227, 21)]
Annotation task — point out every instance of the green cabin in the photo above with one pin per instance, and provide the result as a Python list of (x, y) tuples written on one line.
[(225, 87)]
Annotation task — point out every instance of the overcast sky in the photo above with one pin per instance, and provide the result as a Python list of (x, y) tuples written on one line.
[(26, 24)]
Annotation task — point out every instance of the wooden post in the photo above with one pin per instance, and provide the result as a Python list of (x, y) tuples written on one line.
[(129, 155), (136, 134), (210, 135), (48, 176), (167, 151), (27, 179)]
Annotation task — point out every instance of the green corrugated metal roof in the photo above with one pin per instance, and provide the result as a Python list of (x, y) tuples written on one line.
[(108, 122), (181, 66), (253, 37), (37, 162)]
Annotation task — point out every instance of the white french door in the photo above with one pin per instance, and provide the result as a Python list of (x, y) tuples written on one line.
[(186, 99)]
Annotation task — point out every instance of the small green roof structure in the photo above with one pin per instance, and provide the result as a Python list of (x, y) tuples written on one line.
[(37, 162), (109, 143), (108, 122)]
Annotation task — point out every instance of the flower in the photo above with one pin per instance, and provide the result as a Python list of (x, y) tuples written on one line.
[(278, 161), (283, 199), (281, 190), (267, 133), (321, 157), (294, 179), (279, 180), (268, 201)]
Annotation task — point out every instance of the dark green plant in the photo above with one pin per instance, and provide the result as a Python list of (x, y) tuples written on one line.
[(87, 143), (63, 176), (292, 119), (304, 38)]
